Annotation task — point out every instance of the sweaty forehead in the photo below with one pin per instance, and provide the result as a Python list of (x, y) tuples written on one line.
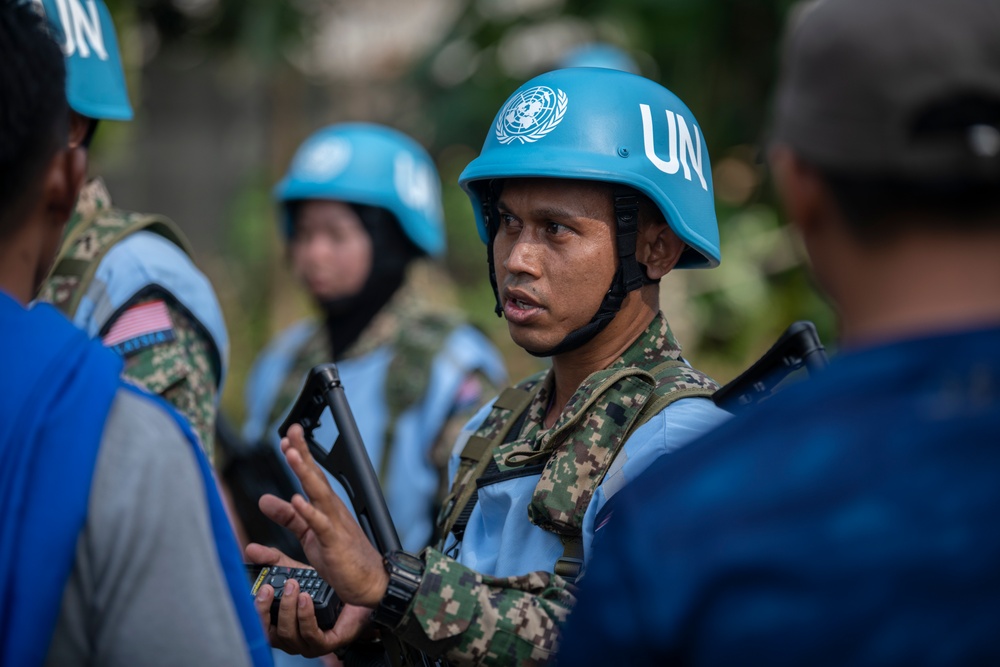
[(555, 197)]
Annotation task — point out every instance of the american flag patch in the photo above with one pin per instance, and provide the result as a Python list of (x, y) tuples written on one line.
[(140, 327)]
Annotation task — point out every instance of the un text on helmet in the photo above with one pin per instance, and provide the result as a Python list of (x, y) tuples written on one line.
[(689, 149), (81, 27)]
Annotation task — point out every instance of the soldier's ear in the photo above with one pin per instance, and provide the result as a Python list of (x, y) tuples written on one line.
[(658, 248), (63, 180), (79, 130)]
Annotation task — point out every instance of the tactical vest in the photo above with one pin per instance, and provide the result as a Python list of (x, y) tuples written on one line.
[(409, 373), (415, 346), (87, 244), (611, 405)]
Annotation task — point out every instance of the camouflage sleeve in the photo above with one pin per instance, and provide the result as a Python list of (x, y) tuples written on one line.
[(180, 369), (473, 619)]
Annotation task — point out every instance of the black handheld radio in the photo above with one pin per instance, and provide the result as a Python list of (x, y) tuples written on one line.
[(325, 601)]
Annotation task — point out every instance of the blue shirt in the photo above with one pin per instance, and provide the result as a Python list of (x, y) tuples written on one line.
[(850, 521)]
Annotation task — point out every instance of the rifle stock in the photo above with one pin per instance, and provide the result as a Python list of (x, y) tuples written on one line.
[(799, 347)]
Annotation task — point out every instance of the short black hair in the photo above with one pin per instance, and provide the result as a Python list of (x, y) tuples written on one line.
[(34, 115)]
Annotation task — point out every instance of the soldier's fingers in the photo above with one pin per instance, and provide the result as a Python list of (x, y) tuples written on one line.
[(316, 486), (263, 555), (282, 513), (295, 439), (288, 620), (316, 520), (309, 472), (298, 436), (318, 642), (263, 605)]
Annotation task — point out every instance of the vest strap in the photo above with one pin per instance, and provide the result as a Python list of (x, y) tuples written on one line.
[(66, 265), (478, 453), (570, 564), (475, 448), (409, 375)]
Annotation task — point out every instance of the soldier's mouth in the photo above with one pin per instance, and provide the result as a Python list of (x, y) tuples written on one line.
[(520, 311)]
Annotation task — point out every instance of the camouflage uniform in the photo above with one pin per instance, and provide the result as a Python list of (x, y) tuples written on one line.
[(184, 367), (473, 618)]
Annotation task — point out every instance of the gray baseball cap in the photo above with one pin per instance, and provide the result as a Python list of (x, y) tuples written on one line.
[(902, 88)]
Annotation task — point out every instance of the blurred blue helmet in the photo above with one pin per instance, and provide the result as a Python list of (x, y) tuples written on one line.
[(610, 126), (596, 54), (361, 163), (95, 81)]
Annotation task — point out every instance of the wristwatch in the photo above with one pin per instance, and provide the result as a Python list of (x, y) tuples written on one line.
[(406, 571)]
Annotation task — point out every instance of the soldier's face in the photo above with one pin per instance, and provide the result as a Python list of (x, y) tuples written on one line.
[(554, 257), (331, 252)]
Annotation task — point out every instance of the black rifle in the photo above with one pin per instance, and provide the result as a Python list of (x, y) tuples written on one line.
[(347, 460), (798, 350)]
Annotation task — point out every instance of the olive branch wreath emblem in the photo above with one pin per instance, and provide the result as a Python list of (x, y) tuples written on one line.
[(562, 101)]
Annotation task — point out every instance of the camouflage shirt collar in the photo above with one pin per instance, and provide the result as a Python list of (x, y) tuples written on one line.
[(94, 198), (656, 345)]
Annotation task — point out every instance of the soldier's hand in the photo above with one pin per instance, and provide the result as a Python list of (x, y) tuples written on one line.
[(297, 631), (331, 537), (261, 555)]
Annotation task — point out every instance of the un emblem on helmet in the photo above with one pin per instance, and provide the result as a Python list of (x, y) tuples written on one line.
[(322, 160), (531, 114)]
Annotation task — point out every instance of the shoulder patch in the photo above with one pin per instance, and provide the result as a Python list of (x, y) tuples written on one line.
[(469, 395), (140, 327)]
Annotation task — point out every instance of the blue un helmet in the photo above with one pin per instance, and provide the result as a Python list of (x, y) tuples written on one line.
[(610, 126), (361, 163), (95, 81)]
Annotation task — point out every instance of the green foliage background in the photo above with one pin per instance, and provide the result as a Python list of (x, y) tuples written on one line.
[(719, 56)]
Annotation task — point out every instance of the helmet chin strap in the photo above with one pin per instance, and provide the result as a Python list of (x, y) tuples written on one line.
[(629, 276)]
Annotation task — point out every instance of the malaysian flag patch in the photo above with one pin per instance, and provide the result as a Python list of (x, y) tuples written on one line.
[(140, 327)]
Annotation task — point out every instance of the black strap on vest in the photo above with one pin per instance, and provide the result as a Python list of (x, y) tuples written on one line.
[(478, 452)]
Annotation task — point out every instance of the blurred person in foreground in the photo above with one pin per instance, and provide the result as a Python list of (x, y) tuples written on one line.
[(107, 555), (128, 278), (360, 208), (853, 521), (592, 185)]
